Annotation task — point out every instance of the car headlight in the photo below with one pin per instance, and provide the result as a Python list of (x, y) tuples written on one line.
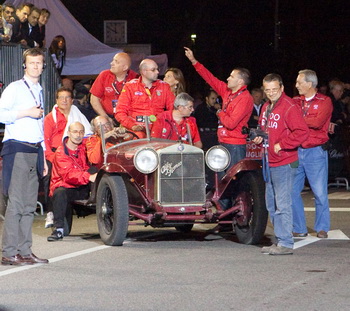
[(217, 158), (146, 160)]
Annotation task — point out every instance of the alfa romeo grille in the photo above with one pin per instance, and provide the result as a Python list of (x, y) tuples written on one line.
[(181, 178)]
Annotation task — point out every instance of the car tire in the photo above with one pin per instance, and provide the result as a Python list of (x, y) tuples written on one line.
[(251, 187), (112, 210)]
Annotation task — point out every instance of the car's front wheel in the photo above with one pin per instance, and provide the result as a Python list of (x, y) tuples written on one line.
[(112, 210)]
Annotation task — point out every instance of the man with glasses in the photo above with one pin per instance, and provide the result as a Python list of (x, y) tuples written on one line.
[(8, 12), (94, 142), (70, 177), (175, 124), (55, 129), (145, 96), (282, 121)]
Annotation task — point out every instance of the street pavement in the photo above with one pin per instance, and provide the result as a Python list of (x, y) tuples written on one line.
[(162, 269)]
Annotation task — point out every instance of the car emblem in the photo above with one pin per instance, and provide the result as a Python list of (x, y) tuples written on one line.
[(181, 147), (168, 168)]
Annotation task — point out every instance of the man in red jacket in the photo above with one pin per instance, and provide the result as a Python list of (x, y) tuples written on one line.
[(237, 106), (282, 121), (313, 157), (109, 84), (144, 96), (174, 124), (70, 176)]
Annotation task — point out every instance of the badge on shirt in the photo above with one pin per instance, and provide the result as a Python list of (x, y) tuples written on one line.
[(315, 107), (138, 93), (159, 93), (164, 130)]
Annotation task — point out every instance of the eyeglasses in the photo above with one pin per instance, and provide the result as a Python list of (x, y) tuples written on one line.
[(272, 91), (77, 132), (189, 107), (9, 12), (64, 97)]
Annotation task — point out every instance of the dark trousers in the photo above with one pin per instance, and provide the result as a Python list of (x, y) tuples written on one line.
[(62, 200), (21, 205), (46, 187)]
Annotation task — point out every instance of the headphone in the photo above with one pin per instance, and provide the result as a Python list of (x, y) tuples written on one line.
[(27, 52), (25, 66)]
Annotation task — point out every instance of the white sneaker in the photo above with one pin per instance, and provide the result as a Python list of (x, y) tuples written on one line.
[(49, 220)]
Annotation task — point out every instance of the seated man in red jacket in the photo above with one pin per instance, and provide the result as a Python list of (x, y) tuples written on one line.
[(70, 176), (174, 124)]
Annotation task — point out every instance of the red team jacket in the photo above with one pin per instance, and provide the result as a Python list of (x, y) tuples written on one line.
[(317, 114), (166, 127), (285, 126), (105, 88), (137, 100), (69, 168), (236, 110)]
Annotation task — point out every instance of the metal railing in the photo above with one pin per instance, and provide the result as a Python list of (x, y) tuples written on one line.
[(11, 70)]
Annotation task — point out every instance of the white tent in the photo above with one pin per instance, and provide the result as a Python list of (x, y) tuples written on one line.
[(85, 54)]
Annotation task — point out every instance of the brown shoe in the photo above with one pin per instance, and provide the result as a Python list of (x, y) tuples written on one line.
[(16, 260), (322, 234), (31, 257)]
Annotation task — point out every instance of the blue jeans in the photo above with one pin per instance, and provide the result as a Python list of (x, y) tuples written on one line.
[(237, 152), (313, 164), (279, 203)]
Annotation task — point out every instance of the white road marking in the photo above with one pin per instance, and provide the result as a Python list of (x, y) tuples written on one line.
[(332, 209), (332, 235), (59, 258)]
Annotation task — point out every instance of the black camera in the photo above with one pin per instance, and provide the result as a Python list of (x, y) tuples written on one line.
[(253, 133)]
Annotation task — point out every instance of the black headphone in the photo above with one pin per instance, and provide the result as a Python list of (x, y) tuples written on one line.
[(26, 52)]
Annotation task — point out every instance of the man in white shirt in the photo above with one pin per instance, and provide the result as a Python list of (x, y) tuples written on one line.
[(21, 110)]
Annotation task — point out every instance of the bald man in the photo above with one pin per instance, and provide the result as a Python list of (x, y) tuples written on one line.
[(108, 85), (144, 96)]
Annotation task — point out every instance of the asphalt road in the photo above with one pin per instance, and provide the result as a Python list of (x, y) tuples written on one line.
[(161, 269)]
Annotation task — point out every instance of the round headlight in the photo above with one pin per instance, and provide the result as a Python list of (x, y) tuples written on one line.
[(146, 160), (217, 158)]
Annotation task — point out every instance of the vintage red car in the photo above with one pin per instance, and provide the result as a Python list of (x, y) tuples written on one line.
[(163, 183)]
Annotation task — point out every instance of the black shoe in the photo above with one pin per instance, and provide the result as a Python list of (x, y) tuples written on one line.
[(55, 236)]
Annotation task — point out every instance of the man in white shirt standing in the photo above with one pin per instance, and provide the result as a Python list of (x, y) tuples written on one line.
[(21, 110)]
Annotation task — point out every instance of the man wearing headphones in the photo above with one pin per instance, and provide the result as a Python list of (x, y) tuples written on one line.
[(21, 110)]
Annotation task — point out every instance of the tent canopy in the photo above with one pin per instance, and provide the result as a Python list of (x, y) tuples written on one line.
[(85, 54)]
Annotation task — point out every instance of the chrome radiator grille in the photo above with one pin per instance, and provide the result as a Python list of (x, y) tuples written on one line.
[(181, 178)]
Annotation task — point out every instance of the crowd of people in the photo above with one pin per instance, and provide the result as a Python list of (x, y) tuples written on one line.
[(25, 25), (65, 147)]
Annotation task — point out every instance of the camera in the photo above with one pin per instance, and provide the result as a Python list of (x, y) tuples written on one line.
[(253, 133)]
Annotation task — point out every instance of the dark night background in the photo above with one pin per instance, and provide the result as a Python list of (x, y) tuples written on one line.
[(233, 33)]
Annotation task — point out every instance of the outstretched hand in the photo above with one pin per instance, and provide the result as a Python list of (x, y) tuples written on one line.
[(189, 55)]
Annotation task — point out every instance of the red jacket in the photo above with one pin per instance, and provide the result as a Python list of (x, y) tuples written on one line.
[(317, 114), (166, 127), (137, 100), (236, 110), (105, 89), (69, 168), (53, 132), (287, 127), (94, 150)]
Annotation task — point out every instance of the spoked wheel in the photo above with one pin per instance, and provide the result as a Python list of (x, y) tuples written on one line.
[(112, 210), (250, 223)]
